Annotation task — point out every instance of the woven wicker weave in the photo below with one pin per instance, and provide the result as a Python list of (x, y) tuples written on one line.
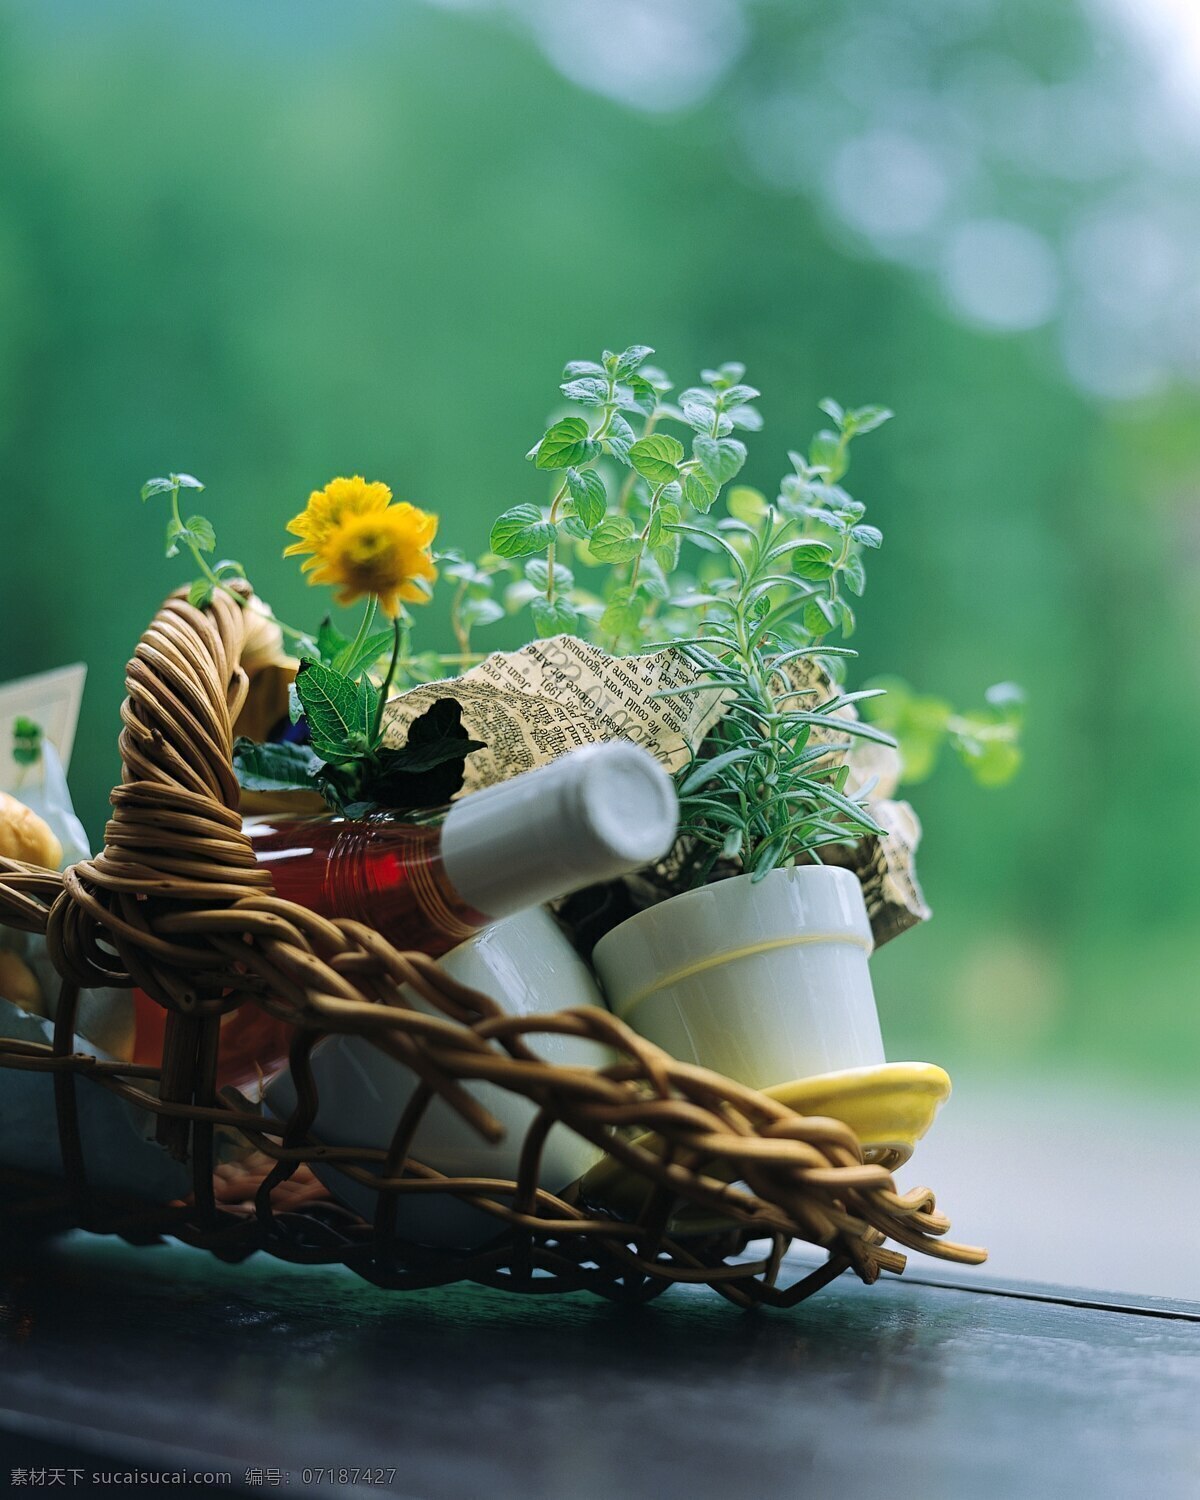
[(177, 905)]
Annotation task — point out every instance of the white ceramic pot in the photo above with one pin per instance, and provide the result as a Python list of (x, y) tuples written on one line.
[(763, 981), (528, 966)]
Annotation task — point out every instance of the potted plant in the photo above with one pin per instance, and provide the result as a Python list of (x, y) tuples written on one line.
[(756, 963), (751, 952)]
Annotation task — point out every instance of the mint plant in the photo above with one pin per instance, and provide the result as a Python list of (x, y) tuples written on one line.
[(633, 550)]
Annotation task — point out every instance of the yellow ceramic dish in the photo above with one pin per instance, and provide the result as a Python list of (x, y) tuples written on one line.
[(889, 1108)]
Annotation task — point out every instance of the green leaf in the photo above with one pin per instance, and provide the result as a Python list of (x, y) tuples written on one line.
[(588, 390), (635, 355), (576, 367), (867, 418), (854, 573), (521, 530), (276, 767), (657, 457), (666, 555), (200, 529), (339, 709), (156, 487), (992, 762), (745, 504), (473, 611), (807, 557), (620, 438), (623, 616), (330, 640), (538, 573), (832, 409), (567, 443), (697, 415), (721, 458), (614, 540), (553, 616), (748, 418), (828, 452), (820, 615), (200, 592), (350, 661), (186, 481), (590, 497), (867, 536), (699, 490), (638, 395)]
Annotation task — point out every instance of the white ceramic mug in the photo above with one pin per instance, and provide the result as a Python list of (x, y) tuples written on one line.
[(765, 981), (526, 964)]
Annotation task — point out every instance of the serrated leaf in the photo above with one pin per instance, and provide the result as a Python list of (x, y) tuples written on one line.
[(820, 616), (651, 580), (590, 497), (521, 530), (721, 458), (700, 490), (620, 438), (867, 418), (855, 574), (330, 640), (588, 390), (576, 367), (832, 409), (553, 616), (748, 418), (280, 767), (474, 612), (746, 504), (739, 395), (642, 394), (566, 444), (614, 540), (537, 571), (350, 659), (339, 709), (200, 529), (657, 457), (697, 415), (827, 452), (812, 560), (635, 355), (623, 615), (867, 536)]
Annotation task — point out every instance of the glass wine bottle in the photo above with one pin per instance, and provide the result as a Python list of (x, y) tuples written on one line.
[(592, 815)]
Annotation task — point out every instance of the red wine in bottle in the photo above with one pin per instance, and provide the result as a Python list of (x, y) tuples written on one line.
[(594, 814)]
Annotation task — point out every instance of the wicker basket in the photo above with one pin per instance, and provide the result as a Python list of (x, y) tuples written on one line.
[(177, 905)]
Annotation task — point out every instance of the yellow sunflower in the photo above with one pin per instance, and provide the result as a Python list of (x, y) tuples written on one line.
[(340, 500), (384, 553)]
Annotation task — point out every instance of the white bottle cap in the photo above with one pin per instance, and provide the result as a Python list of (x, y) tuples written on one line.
[(592, 815)]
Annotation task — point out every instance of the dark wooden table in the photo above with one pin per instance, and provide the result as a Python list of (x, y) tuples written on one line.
[(115, 1358)]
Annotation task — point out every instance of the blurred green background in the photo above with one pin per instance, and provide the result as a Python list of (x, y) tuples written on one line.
[(269, 244)]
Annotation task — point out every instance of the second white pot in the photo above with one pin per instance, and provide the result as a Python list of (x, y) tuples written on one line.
[(765, 981)]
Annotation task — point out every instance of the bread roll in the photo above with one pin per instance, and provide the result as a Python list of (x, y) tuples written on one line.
[(25, 836), (18, 983)]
